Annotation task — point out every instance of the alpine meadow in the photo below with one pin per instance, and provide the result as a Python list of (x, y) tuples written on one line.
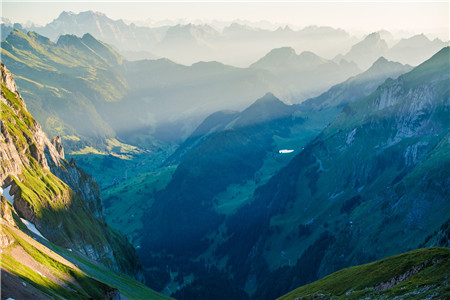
[(225, 150)]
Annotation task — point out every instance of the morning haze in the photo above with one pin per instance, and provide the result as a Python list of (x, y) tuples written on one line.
[(211, 150)]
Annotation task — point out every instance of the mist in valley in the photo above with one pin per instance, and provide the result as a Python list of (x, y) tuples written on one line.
[(244, 158)]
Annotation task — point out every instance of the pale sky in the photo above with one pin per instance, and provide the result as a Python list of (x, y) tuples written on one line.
[(355, 16)]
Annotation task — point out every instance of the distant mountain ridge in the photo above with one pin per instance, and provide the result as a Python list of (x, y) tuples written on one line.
[(301, 74), (82, 90), (357, 87), (206, 41), (286, 57), (367, 51), (413, 50)]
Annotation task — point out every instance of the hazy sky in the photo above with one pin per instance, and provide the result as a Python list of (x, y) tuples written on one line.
[(355, 16)]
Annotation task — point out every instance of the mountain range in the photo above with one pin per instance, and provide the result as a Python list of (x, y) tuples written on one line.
[(314, 120), (199, 42), (142, 101), (413, 50), (205, 43), (309, 217), (298, 177)]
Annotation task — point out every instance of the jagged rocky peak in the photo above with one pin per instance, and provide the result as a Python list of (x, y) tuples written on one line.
[(66, 14), (39, 147), (8, 79), (56, 142), (48, 154)]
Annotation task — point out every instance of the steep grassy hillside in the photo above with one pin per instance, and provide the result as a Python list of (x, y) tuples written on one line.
[(52, 194), (418, 274), (34, 268)]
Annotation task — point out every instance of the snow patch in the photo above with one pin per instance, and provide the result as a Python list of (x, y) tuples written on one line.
[(285, 151), (5, 193), (32, 228)]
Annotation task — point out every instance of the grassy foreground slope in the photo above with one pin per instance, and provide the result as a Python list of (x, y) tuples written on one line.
[(33, 268), (419, 274)]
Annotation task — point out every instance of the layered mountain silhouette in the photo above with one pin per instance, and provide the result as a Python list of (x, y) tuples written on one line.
[(415, 49), (339, 162), (331, 206), (341, 194), (368, 50), (199, 42), (144, 101), (356, 87), (412, 51)]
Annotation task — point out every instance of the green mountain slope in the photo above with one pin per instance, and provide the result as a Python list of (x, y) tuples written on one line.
[(60, 204), (34, 268), (216, 145), (50, 191), (418, 274), (64, 82), (228, 150), (372, 184), (200, 152)]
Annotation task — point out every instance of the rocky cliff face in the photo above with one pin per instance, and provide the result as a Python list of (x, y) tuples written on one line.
[(60, 199)]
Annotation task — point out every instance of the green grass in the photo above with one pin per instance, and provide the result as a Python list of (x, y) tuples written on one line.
[(128, 178), (127, 286), (125, 202), (49, 199), (89, 280), (359, 282), (78, 285), (58, 79), (54, 204)]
